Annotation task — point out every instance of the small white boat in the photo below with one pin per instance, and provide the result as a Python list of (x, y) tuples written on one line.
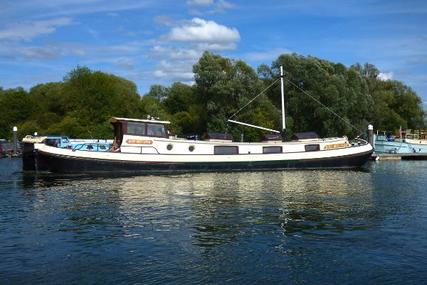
[(145, 146)]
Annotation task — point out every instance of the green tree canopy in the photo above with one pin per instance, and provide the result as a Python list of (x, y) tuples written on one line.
[(351, 97)]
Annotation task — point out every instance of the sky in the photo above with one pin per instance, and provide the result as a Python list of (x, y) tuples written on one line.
[(157, 41)]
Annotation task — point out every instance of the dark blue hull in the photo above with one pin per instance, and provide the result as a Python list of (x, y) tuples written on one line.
[(64, 164)]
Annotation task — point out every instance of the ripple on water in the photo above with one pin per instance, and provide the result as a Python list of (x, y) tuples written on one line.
[(278, 227)]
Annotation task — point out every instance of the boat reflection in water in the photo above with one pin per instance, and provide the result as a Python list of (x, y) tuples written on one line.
[(295, 227), (217, 208)]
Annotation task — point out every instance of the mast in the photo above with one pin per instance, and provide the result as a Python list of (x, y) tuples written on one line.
[(283, 100), (283, 131)]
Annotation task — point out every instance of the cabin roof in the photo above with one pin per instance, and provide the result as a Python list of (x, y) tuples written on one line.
[(117, 119), (305, 136)]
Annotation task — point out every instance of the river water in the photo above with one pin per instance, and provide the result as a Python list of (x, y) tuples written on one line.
[(282, 227)]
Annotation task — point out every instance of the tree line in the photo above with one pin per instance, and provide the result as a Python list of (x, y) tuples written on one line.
[(81, 105)]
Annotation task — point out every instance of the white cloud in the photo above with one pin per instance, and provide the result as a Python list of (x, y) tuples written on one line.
[(384, 76), (268, 55), (200, 2), (174, 71), (222, 5), (176, 63), (125, 63), (199, 30), (216, 46), (48, 52), (123, 55), (177, 53), (180, 49), (45, 8), (30, 30), (202, 7)]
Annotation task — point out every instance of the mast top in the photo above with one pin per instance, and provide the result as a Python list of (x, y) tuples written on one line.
[(283, 100)]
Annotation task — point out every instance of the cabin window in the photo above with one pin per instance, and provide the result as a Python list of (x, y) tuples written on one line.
[(53, 142), (312, 147), (137, 129), (226, 150), (272, 149), (156, 130)]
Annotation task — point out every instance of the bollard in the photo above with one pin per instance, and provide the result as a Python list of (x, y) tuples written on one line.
[(371, 134), (15, 141)]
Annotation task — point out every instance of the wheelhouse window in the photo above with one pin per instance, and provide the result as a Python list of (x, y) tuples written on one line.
[(137, 129), (53, 142), (272, 149), (312, 147), (226, 150), (156, 130)]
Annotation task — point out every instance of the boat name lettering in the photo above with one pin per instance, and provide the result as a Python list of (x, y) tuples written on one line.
[(133, 141), (336, 145)]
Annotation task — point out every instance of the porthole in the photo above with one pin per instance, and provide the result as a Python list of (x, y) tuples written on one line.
[(191, 148), (169, 147)]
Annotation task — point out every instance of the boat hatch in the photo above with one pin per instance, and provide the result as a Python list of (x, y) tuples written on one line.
[(305, 136)]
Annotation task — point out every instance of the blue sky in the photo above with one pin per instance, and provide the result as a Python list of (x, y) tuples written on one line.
[(158, 41)]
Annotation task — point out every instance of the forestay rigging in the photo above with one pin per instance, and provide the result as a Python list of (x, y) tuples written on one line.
[(253, 99)]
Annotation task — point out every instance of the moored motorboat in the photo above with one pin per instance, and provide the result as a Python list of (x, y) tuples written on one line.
[(145, 146), (406, 142)]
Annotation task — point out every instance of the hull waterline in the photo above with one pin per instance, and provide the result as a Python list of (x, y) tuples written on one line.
[(65, 164)]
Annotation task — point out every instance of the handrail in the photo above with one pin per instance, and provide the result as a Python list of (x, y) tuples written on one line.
[(359, 140), (97, 144)]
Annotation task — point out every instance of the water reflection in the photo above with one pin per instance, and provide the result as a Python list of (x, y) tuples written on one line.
[(278, 227), (220, 207), (213, 208)]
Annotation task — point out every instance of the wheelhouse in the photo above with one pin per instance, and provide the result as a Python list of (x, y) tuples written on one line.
[(139, 127)]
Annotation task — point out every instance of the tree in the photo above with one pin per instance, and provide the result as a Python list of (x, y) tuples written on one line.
[(223, 86), (319, 95), (15, 107), (92, 98)]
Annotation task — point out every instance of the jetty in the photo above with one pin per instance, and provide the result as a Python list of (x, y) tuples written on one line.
[(399, 156)]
